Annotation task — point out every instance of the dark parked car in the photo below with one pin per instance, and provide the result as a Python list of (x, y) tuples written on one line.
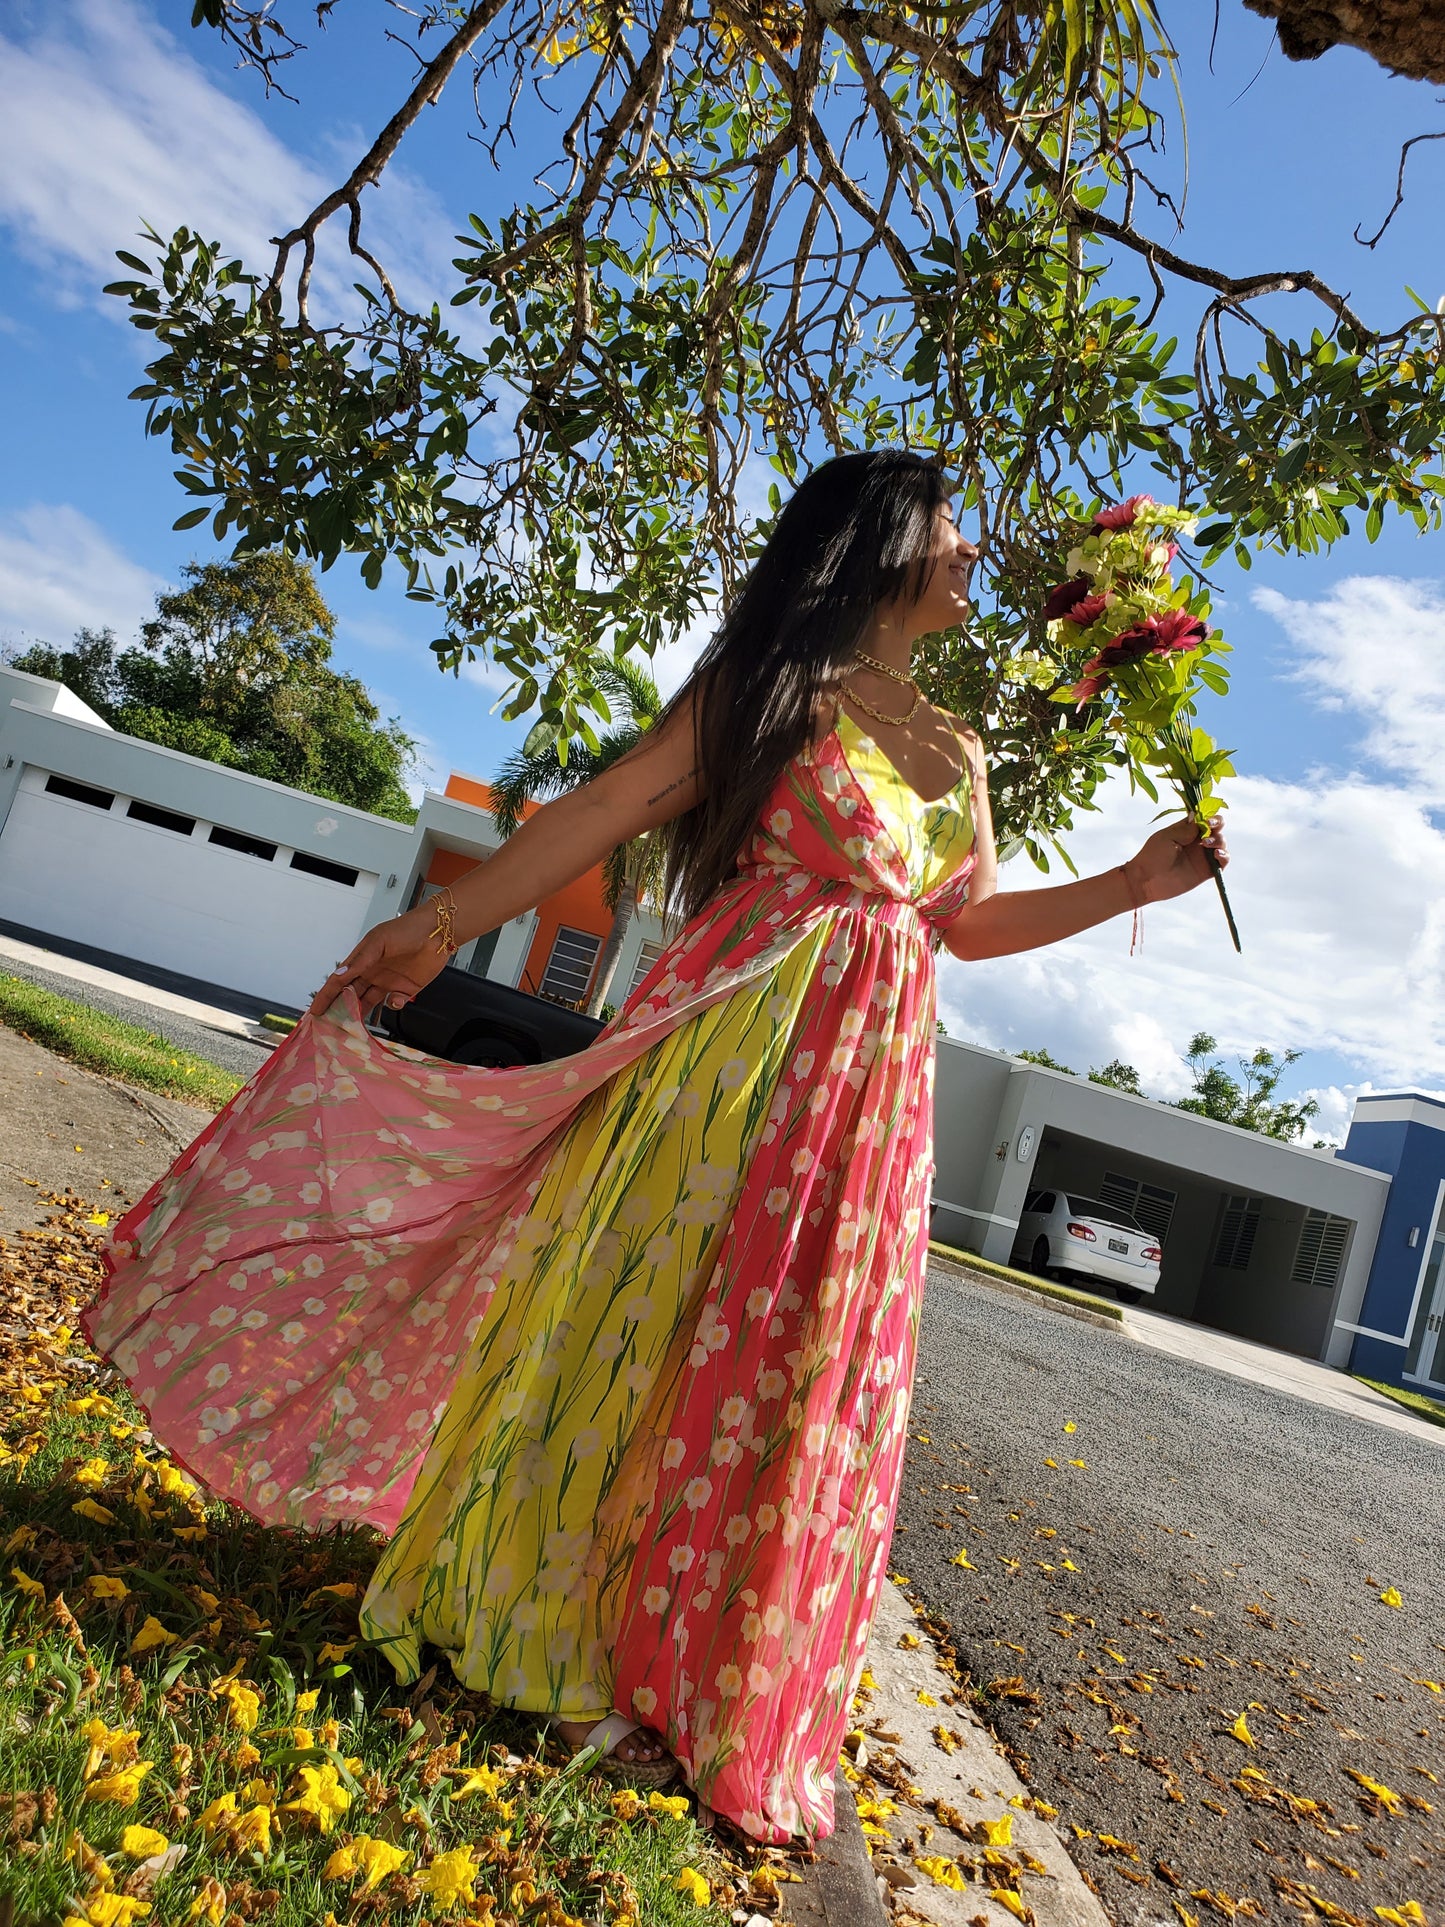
[(472, 1020)]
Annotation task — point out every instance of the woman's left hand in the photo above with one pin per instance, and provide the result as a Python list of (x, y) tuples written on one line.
[(1176, 859)]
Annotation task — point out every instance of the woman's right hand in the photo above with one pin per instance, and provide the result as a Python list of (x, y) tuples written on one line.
[(390, 964)]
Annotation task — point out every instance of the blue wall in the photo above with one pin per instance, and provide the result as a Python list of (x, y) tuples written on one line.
[(1413, 1154)]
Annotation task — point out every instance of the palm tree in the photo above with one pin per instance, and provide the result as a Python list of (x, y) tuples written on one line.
[(633, 871)]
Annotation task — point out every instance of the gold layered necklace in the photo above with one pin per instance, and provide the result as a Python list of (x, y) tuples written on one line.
[(894, 675)]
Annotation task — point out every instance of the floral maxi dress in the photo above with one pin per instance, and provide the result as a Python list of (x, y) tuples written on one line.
[(616, 1350)]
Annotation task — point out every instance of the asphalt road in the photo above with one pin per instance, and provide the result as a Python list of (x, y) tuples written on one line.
[(1231, 1547), (236, 1054)]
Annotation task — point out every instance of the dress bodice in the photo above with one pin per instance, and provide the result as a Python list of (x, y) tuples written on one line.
[(842, 811)]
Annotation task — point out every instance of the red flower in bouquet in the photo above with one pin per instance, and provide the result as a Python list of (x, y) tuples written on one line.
[(1122, 515), (1088, 610), (1066, 597)]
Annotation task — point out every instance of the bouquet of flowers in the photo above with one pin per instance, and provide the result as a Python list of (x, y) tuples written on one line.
[(1141, 647)]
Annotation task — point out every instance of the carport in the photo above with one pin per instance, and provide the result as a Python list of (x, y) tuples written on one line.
[(1269, 1241)]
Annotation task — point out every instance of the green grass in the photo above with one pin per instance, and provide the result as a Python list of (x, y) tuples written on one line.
[(1416, 1402), (111, 1046), (1044, 1286), (275, 1610)]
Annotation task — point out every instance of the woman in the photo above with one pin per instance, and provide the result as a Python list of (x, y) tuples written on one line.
[(618, 1350)]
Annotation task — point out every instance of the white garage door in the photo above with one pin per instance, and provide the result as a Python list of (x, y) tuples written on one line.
[(200, 898)]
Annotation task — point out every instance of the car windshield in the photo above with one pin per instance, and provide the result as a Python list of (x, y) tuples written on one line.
[(1091, 1208)]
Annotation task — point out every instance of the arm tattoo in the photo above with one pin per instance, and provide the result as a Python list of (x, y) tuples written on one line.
[(671, 787)]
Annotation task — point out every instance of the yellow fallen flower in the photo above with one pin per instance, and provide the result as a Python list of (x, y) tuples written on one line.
[(1390, 1597), (479, 1779), (243, 1703), (690, 1882), (451, 1876), (209, 1905), (21, 1539), (333, 1652), (1000, 1832), (89, 1509), (960, 1558), (306, 1702), (141, 1842), (674, 1805), (1241, 1732), (174, 1484), (218, 1814), (627, 1803), (1388, 1799), (1408, 1914), (322, 1797), (109, 1745), (151, 1635), (191, 1533), (93, 1472), (365, 1855), (250, 1832), (1006, 1897), (121, 1788), (110, 1910), (941, 1870), (31, 1588), (101, 1585), (925, 1698)]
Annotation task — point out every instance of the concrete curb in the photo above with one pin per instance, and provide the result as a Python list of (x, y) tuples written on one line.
[(944, 1775), (953, 1268)]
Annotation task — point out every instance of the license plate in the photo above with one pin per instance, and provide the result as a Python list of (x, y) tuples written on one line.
[(1119, 1244)]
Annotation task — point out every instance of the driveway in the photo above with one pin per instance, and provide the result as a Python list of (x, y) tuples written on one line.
[(1223, 1550)]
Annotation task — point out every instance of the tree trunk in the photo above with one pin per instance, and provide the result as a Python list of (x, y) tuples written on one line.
[(611, 950), (1407, 36)]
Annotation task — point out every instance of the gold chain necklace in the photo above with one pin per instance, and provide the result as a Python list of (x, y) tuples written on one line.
[(883, 669), (878, 714)]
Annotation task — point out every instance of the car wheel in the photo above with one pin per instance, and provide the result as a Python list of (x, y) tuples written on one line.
[(1043, 1260), (1128, 1294)]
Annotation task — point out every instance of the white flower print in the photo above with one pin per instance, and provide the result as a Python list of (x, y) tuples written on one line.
[(681, 1559), (310, 1193), (697, 1492), (760, 1680), (734, 1410), (218, 1376), (644, 1702), (777, 1201), (378, 1210), (732, 1073), (654, 1600), (253, 1321), (737, 1529)]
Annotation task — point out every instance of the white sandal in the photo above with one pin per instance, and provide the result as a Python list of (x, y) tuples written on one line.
[(606, 1736)]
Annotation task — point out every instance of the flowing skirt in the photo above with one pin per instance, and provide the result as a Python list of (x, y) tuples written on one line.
[(617, 1350)]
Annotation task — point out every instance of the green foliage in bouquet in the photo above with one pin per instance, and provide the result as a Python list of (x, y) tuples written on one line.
[(1143, 650)]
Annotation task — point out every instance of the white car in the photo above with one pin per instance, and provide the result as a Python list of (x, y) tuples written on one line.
[(1061, 1234)]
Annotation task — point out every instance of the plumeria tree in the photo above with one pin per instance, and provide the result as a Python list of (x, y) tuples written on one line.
[(761, 231)]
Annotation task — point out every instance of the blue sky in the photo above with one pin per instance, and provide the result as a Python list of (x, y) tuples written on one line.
[(114, 111)]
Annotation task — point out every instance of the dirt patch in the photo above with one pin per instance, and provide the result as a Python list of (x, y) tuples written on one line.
[(64, 1128)]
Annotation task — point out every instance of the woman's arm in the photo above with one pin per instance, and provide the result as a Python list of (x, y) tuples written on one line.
[(1174, 860), (558, 843)]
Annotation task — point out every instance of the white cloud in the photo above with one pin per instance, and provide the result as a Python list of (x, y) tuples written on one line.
[(108, 124), (1339, 891), (1372, 649), (59, 572)]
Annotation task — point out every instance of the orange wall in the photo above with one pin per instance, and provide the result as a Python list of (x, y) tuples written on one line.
[(579, 905)]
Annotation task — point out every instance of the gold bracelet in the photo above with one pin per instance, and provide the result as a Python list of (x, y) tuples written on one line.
[(444, 933)]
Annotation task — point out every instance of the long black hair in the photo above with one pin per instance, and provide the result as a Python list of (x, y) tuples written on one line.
[(855, 533)]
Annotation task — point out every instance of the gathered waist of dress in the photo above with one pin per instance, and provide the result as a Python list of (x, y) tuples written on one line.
[(805, 888)]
